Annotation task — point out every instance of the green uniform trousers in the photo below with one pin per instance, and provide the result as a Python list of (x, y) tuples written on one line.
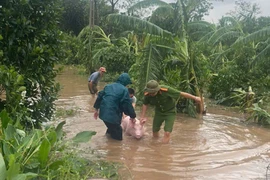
[(168, 118)]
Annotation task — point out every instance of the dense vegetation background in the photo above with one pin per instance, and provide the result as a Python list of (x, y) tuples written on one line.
[(149, 39)]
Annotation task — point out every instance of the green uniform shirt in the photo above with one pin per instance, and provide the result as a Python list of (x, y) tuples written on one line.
[(164, 101)]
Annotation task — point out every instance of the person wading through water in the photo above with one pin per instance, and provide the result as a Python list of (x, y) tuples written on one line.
[(164, 99), (93, 80), (111, 103)]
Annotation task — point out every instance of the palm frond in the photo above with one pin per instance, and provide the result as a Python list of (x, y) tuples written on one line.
[(219, 56), (137, 24), (152, 57), (199, 34), (99, 31), (219, 33), (201, 25), (228, 36), (263, 53), (198, 29), (230, 21), (87, 30), (257, 36), (146, 4), (181, 47), (206, 37)]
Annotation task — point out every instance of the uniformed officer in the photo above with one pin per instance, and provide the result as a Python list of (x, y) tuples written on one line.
[(164, 99)]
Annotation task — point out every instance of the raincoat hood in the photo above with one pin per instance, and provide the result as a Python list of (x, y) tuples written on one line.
[(124, 79)]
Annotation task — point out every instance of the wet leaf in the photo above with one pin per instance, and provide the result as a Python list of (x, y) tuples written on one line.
[(25, 176), (4, 119), (44, 151), (55, 165), (2, 168), (22, 88), (84, 136), (59, 129)]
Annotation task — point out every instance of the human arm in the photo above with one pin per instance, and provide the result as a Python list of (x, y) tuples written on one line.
[(190, 96), (126, 106), (134, 100), (146, 102), (197, 99), (174, 93), (144, 109), (97, 103)]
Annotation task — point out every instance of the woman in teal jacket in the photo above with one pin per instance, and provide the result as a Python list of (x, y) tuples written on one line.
[(111, 103)]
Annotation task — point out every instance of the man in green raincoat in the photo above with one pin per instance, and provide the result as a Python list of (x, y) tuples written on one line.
[(164, 99), (111, 103)]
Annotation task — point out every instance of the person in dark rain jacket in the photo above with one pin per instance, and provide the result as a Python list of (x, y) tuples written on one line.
[(111, 103)]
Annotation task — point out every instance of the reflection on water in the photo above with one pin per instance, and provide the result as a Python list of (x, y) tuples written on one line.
[(214, 147)]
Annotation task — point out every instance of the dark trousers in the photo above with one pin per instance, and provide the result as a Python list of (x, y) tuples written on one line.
[(114, 130)]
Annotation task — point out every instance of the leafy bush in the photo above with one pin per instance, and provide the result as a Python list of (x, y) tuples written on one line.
[(259, 115), (239, 74), (30, 43), (44, 154), (70, 46), (117, 59), (12, 94), (98, 49)]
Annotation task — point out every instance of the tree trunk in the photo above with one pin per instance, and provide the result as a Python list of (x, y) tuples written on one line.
[(96, 12), (92, 14), (112, 8)]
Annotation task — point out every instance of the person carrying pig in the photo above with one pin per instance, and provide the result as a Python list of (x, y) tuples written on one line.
[(111, 103), (164, 99)]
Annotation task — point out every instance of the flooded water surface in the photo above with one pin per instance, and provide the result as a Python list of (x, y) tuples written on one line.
[(215, 146)]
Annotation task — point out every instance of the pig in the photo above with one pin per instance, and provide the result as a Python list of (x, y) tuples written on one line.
[(135, 129)]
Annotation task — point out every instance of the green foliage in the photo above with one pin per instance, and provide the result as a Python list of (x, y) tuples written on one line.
[(75, 15), (147, 3), (149, 63), (84, 136), (116, 59), (243, 71), (259, 115), (163, 17), (85, 53), (161, 44), (13, 93), (98, 49), (31, 45), (45, 155), (62, 113), (110, 77), (138, 24), (70, 46)]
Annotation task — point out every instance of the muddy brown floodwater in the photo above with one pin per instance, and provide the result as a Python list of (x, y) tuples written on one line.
[(216, 146)]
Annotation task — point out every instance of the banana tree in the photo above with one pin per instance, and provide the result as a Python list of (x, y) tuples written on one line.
[(218, 38), (240, 59), (155, 47)]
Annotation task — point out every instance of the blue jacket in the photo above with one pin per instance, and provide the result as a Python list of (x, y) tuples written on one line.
[(114, 99)]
